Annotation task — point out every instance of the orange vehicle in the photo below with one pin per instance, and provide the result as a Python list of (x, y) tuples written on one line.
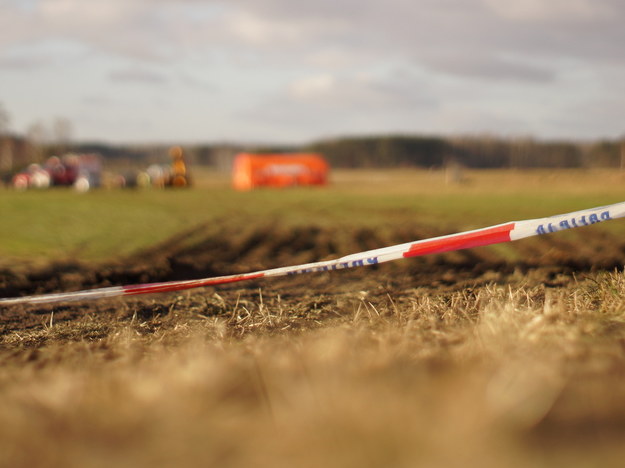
[(278, 170)]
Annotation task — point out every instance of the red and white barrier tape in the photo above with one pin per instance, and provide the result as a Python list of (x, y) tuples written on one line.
[(463, 240)]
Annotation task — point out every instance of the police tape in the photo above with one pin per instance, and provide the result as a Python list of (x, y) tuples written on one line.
[(464, 240)]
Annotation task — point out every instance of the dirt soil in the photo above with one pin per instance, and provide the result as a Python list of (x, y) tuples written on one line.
[(552, 261), (458, 359)]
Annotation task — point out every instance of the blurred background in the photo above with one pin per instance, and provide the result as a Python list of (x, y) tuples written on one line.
[(481, 83)]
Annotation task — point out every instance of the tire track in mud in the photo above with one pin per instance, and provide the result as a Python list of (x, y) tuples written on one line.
[(220, 249), (223, 248)]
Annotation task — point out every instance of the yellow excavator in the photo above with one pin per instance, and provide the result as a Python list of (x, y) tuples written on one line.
[(179, 176)]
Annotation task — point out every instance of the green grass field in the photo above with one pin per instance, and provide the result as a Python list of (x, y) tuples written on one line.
[(105, 224)]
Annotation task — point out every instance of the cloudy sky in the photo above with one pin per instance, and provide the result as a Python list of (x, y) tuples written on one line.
[(294, 71)]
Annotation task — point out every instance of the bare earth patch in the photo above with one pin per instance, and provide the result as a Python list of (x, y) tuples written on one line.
[(462, 359)]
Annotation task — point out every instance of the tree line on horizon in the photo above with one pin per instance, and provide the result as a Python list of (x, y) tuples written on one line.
[(383, 151), (480, 152), (388, 151)]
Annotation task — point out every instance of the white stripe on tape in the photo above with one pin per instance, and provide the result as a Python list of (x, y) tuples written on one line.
[(486, 236)]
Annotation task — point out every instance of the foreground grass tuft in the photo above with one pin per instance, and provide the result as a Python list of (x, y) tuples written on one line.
[(496, 376)]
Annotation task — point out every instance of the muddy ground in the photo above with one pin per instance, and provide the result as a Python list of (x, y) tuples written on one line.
[(552, 261), (483, 357)]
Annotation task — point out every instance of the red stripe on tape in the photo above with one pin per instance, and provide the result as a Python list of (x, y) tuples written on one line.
[(467, 240), (177, 286)]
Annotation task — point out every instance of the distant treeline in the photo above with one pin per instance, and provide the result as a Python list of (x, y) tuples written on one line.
[(356, 152), (475, 152), (432, 151)]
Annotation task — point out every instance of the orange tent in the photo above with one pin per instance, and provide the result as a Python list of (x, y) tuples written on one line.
[(278, 170)]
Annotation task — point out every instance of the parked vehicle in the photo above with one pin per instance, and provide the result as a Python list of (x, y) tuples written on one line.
[(278, 170)]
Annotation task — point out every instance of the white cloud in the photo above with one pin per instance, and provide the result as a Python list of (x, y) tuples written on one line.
[(16, 62), (319, 56), (138, 75), (360, 92), (552, 10), (314, 87), (89, 12), (337, 56), (491, 68), (281, 32)]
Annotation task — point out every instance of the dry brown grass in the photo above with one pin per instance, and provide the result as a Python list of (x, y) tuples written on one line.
[(490, 376)]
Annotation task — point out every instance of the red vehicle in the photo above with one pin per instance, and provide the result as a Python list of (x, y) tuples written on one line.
[(81, 171)]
